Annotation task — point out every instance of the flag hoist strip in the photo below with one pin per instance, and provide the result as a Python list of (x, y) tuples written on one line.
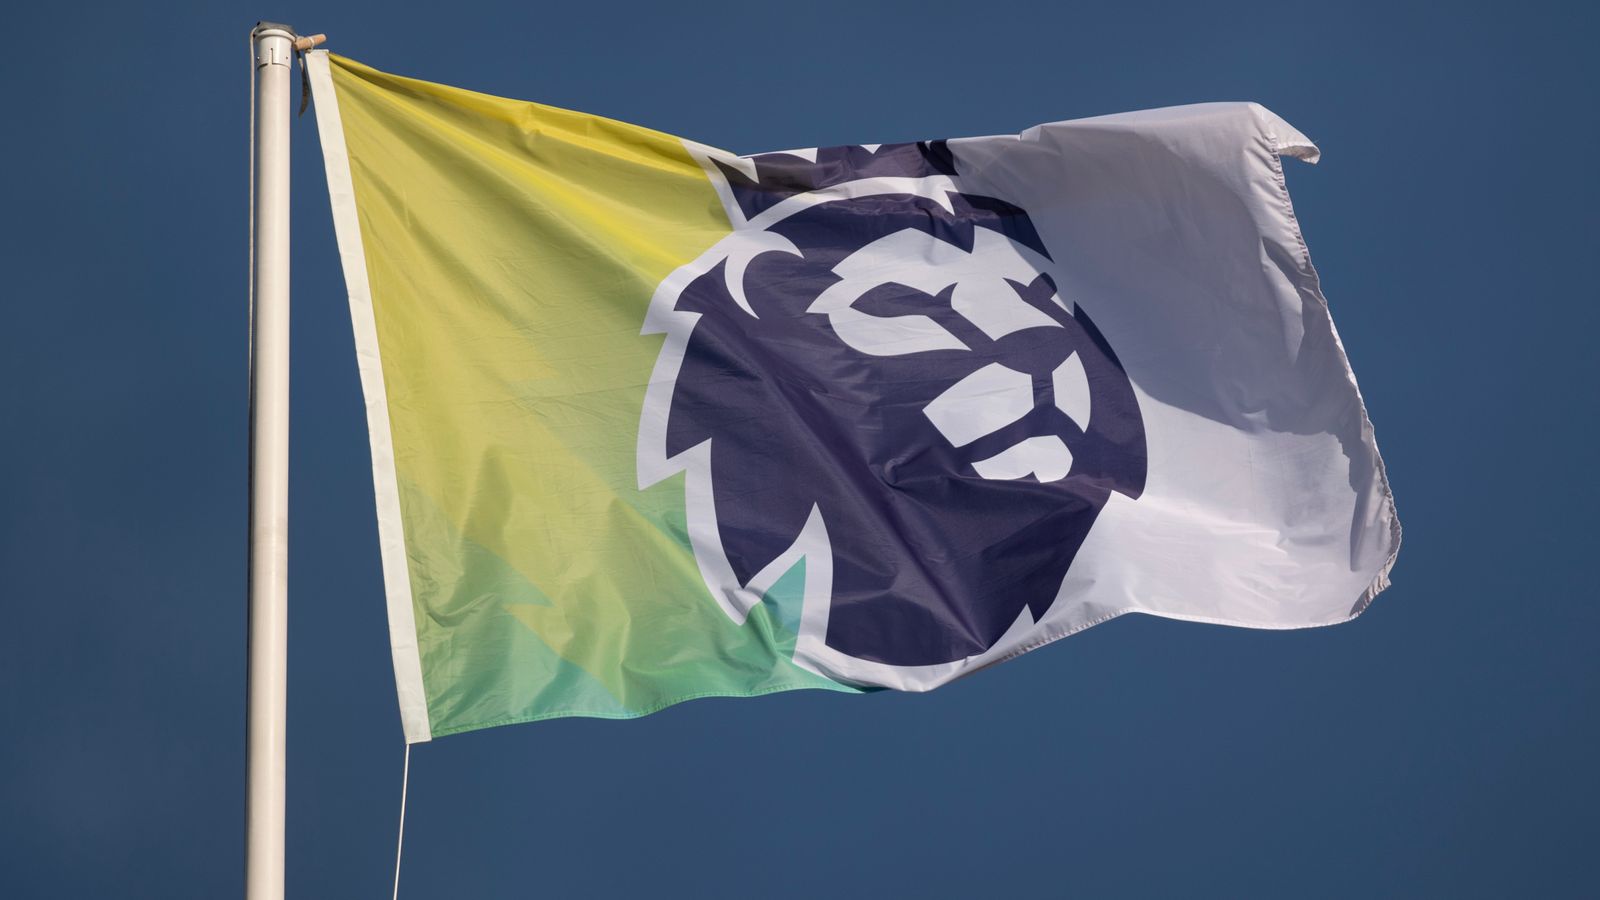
[(652, 421)]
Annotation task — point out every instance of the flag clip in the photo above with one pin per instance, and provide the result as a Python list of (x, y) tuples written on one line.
[(301, 46)]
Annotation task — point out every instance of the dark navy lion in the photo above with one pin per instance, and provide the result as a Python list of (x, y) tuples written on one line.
[(910, 371)]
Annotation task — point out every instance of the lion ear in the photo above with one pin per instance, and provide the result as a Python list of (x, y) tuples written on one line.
[(743, 248), (789, 285)]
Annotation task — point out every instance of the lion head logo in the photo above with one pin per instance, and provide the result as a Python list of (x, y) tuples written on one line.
[(876, 373)]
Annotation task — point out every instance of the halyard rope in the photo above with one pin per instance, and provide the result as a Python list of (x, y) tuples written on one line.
[(400, 841)]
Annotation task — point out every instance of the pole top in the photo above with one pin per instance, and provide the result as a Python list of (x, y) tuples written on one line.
[(272, 29), (277, 43)]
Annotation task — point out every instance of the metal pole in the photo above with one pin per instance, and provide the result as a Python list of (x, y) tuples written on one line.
[(269, 470)]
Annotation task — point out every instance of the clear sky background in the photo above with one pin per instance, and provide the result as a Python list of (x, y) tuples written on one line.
[(1442, 745)]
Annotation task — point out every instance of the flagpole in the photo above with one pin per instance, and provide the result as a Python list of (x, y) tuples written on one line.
[(269, 468)]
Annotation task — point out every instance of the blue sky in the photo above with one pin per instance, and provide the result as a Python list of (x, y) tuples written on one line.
[(1441, 745)]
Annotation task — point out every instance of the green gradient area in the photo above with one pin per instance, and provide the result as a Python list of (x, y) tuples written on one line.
[(512, 250)]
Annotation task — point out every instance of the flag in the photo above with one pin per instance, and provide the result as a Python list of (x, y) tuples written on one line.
[(651, 421)]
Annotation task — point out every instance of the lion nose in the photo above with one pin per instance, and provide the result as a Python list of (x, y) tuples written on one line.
[(997, 396), (981, 403)]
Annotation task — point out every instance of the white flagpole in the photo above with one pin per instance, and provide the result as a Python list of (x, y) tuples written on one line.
[(269, 466)]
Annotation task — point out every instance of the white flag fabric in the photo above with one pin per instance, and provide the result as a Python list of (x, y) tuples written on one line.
[(1265, 502)]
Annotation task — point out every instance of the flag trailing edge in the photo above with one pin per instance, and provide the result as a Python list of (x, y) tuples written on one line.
[(651, 421)]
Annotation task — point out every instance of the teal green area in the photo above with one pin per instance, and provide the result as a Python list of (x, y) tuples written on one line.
[(488, 666), (485, 667), (783, 604)]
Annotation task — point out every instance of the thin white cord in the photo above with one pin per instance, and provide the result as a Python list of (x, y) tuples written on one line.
[(400, 842)]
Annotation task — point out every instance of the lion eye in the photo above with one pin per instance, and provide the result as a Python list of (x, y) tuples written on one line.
[(985, 282), (891, 335), (991, 303)]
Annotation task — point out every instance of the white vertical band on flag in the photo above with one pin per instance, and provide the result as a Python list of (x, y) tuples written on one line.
[(386, 489)]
